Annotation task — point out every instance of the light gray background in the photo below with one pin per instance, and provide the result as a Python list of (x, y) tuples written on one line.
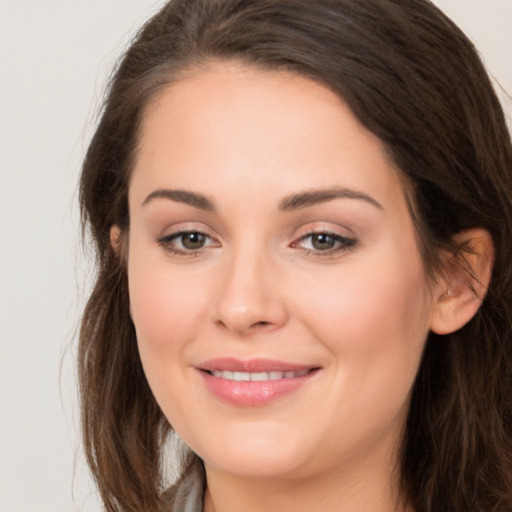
[(54, 59)]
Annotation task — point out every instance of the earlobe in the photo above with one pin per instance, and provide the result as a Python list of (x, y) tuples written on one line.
[(461, 293)]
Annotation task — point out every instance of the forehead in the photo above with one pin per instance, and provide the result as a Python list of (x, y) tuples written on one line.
[(255, 128)]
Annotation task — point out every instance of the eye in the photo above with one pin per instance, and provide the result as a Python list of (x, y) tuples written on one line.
[(324, 243), (192, 241), (186, 243)]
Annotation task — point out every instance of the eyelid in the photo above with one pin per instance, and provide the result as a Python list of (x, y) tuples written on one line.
[(343, 242), (184, 227), (168, 236)]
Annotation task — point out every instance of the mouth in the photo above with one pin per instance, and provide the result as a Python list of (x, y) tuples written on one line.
[(256, 382), (258, 376)]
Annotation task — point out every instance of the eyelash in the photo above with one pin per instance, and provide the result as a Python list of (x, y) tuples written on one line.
[(167, 243), (342, 243)]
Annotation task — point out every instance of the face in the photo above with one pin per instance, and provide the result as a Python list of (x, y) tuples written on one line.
[(278, 295)]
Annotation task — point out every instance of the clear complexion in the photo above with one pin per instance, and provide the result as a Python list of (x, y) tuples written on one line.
[(277, 291)]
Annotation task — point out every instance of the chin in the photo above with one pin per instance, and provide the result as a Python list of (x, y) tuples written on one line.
[(256, 456)]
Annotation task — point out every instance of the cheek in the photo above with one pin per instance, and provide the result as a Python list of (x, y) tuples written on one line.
[(378, 311), (165, 308), (374, 320)]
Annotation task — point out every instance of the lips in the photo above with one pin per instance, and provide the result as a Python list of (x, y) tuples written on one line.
[(257, 376), (255, 382)]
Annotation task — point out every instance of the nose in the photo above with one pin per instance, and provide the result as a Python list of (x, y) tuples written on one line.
[(250, 300)]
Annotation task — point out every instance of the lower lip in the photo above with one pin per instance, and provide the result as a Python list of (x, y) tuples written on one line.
[(253, 393)]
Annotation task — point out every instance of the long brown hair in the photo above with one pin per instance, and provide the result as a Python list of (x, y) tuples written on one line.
[(412, 78)]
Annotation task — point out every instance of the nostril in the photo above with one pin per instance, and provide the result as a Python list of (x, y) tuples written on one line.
[(261, 324)]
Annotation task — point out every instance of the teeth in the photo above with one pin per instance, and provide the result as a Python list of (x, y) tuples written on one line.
[(258, 376)]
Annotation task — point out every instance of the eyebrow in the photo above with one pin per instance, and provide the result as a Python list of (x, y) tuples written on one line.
[(313, 197), (289, 203), (182, 196)]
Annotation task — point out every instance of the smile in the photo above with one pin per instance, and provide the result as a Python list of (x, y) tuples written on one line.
[(257, 376), (256, 382)]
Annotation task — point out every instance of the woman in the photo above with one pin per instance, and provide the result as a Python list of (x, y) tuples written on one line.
[(301, 212)]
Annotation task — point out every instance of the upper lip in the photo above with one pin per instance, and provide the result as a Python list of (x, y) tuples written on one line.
[(232, 364)]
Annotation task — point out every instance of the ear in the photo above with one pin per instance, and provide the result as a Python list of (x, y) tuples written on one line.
[(460, 294), (115, 238), (117, 241)]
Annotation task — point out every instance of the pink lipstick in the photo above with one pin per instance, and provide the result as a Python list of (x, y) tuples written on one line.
[(255, 382)]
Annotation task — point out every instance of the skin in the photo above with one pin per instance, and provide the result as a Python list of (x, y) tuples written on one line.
[(260, 287)]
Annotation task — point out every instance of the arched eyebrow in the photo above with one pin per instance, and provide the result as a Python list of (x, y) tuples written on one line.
[(289, 203), (182, 196), (317, 196)]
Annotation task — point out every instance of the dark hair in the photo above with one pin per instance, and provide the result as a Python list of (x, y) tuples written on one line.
[(412, 78)]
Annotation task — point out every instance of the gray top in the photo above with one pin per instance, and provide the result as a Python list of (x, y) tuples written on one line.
[(187, 495)]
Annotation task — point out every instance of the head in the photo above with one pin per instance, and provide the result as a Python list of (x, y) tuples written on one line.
[(409, 78)]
